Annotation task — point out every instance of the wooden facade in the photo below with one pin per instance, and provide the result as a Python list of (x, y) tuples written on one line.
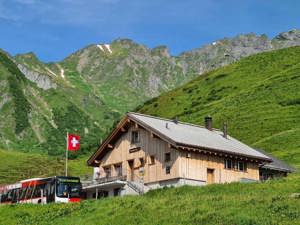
[(211, 168), (136, 158), (154, 159)]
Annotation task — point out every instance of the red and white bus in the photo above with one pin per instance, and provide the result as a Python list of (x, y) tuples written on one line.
[(42, 191)]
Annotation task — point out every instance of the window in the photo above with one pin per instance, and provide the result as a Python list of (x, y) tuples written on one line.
[(167, 157), (241, 166), (37, 192), (228, 164), (168, 169), (65, 189), (107, 171), (142, 162), (135, 137), (118, 169), (152, 160)]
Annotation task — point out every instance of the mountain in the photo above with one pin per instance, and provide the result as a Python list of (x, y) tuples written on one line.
[(228, 50), (258, 97), (91, 89), (85, 93), (35, 119)]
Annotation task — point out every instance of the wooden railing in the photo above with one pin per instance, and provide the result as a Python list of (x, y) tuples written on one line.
[(110, 179)]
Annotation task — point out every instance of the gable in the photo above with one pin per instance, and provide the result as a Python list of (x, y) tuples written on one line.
[(178, 135)]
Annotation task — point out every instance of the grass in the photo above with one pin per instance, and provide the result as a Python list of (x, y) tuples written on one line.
[(258, 97), (236, 203), (16, 166)]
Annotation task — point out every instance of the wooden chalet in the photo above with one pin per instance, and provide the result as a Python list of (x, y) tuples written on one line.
[(145, 152)]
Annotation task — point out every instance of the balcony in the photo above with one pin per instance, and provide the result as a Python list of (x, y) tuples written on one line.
[(108, 179)]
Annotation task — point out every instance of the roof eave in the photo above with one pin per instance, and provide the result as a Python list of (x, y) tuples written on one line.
[(278, 169), (91, 160), (224, 151)]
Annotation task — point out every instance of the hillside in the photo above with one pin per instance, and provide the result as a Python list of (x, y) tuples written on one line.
[(259, 98), (92, 88), (16, 166), (86, 93), (244, 204), (34, 119)]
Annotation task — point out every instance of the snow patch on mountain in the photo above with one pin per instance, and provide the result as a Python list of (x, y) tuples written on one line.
[(108, 48), (101, 48), (62, 73), (105, 48)]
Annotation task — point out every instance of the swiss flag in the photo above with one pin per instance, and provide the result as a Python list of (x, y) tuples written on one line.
[(73, 142)]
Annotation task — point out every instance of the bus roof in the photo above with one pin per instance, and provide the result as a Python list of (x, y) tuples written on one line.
[(10, 187), (32, 179)]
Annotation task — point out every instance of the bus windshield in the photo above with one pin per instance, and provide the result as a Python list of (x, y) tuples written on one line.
[(67, 187)]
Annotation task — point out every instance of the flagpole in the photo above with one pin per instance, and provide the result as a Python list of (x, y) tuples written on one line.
[(67, 154)]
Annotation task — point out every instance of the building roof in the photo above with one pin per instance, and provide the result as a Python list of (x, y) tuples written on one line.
[(276, 164), (185, 134)]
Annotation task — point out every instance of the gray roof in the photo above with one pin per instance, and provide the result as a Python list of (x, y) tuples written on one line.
[(198, 136), (276, 164)]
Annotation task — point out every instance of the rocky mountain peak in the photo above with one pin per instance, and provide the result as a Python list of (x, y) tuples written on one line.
[(161, 50), (292, 35), (29, 55), (125, 42)]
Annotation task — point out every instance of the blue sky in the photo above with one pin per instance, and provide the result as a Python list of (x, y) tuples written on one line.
[(55, 28)]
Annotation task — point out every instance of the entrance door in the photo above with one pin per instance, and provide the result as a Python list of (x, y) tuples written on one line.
[(131, 170), (210, 176)]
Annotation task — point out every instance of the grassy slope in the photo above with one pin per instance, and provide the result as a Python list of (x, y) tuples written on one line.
[(37, 120), (258, 96), (265, 203), (16, 166)]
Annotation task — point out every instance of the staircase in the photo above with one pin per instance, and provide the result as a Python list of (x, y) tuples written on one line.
[(137, 187), (137, 184)]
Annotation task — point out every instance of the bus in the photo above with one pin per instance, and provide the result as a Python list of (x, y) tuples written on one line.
[(58, 189)]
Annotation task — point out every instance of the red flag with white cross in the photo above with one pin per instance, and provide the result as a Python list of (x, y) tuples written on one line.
[(73, 142)]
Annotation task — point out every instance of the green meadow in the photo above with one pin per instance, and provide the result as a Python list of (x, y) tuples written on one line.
[(237, 203)]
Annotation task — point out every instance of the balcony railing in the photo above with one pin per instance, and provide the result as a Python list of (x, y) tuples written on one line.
[(111, 179)]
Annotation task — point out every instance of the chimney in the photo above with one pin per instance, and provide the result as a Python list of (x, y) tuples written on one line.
[(225, 131), (208, 122)]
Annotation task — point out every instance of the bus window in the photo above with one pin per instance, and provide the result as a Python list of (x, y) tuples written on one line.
[(3, 198), (15, 195), (68, 188), (49, 192)]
